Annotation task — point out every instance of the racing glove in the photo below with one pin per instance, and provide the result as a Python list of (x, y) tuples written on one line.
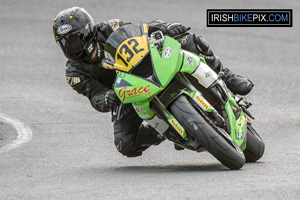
[(176, 29), (111, 99)]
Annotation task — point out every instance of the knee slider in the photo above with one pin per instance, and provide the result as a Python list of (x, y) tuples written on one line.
[(125, 144)]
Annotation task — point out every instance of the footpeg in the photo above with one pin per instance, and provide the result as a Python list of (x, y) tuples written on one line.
[(244, 104)]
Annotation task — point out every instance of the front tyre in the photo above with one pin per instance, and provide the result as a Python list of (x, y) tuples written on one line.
[(255, 147), (228, 153)]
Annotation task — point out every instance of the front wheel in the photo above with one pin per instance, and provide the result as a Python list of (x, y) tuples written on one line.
[(211, 138), (255, 147)]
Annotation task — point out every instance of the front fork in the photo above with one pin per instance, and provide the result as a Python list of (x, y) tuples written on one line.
[(198, 98), (162, 123)]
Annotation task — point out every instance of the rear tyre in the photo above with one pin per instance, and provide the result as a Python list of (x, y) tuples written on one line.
[(255, 147), (211, 138)]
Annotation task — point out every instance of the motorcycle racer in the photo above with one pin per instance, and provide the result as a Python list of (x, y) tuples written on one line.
[(82, 42)]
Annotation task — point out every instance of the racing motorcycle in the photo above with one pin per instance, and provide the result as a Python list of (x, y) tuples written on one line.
[(180, 96)]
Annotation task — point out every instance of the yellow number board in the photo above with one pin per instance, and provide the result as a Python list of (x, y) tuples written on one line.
[(130, 53)]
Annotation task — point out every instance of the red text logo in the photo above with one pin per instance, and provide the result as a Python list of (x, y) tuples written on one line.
[(125, 93)]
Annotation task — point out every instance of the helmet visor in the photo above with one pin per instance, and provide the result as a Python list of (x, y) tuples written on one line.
[(74, 44)]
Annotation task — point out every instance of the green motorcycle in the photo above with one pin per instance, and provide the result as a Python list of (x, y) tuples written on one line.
[(181, 97)]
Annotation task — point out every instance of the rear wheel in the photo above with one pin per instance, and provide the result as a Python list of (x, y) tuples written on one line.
[(211, 138), (255, 147)]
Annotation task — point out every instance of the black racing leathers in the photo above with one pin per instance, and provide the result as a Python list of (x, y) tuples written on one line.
[(93, 81), (90, 78)]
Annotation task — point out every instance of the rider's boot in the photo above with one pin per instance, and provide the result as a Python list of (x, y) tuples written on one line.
[(150, 136), (236, 83), (131, 136), (146, 137)]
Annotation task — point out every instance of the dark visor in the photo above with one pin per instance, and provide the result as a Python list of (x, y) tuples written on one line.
[(74, 44)]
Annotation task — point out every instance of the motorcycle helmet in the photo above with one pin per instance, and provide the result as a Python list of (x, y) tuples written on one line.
[(75, 33)]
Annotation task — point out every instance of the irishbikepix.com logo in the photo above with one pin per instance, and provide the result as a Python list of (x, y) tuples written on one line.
[(249, 17)]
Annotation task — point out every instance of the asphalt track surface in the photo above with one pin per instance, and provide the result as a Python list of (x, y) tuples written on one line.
[(71, 153)]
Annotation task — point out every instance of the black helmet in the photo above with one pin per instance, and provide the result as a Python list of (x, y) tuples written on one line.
[(74, 31)]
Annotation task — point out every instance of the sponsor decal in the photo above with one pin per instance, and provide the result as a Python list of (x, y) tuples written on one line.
[(178, 127), (168, 52), (118, 80), (90, 48), (242, 122), (63, 29), (99, 50), (114, 24), (189, 60), (72, 80), (140, 109), (202, 102), (207, 74), (125, 93)]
